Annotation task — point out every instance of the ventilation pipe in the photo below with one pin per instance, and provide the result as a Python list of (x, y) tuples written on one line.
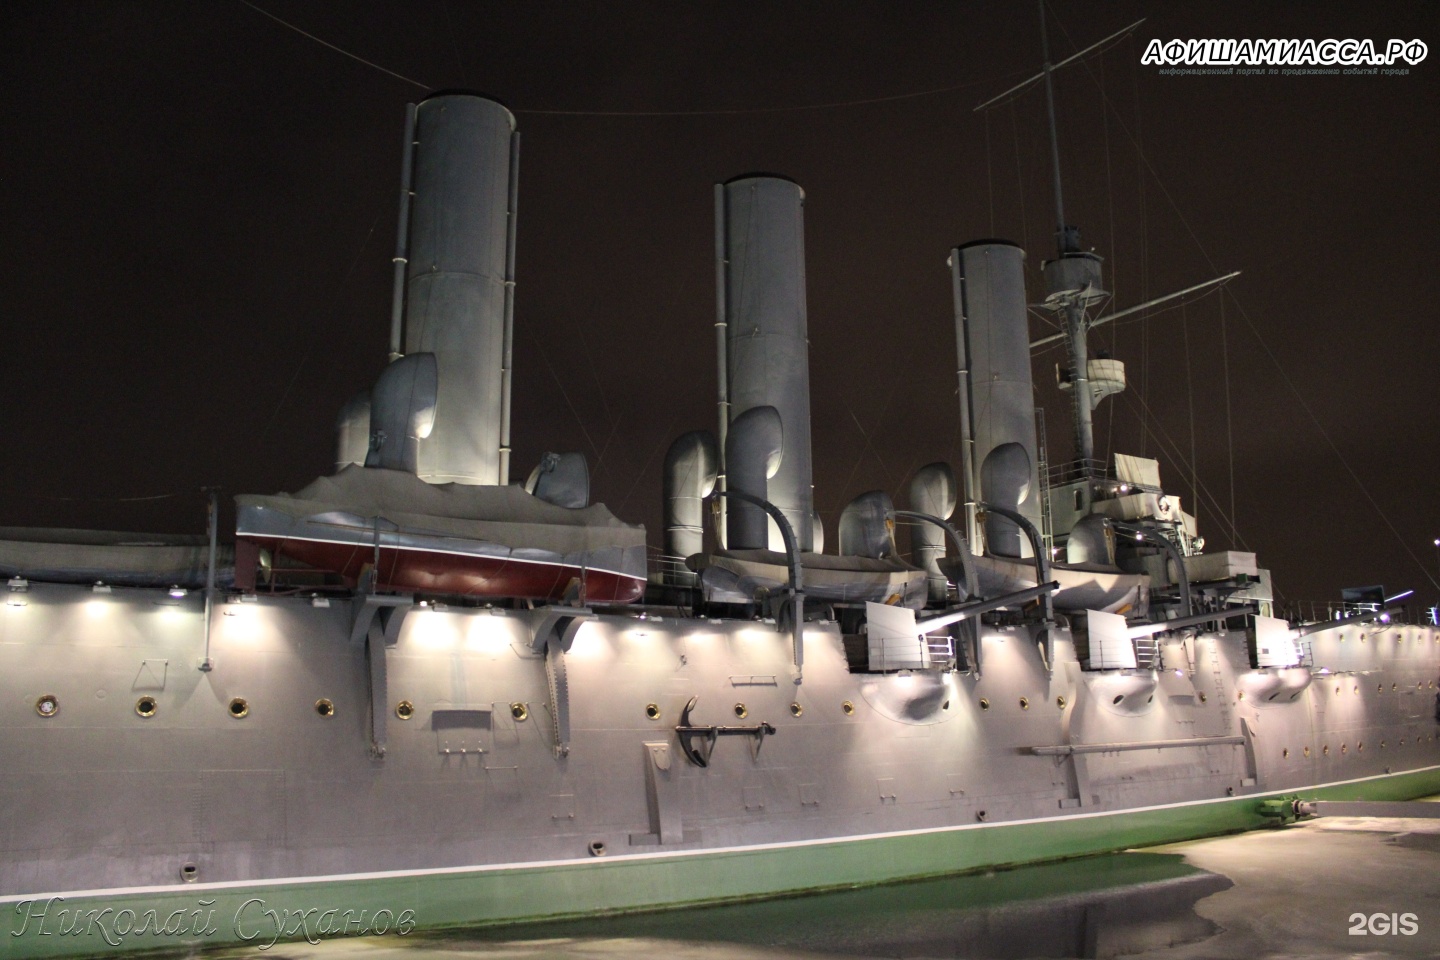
[(760, 228), (691, 465), (753, 454), (402, 412), (867, 527), (352, 432), (932, 491), (459, 281), (1091, 540), (993, 345), (562, 479)]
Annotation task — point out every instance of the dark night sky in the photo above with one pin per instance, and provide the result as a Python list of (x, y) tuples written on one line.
[(197, 214)]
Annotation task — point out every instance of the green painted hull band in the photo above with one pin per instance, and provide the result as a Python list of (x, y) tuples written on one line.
[(193, 915)]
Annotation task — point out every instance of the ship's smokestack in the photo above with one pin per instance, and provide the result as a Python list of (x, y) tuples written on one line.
[(762, 234), (993, 344), (459, 284)]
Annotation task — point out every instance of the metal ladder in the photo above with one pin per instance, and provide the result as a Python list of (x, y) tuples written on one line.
[(1047, 533)]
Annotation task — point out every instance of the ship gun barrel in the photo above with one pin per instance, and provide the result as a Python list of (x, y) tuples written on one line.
[(971, 610), (1305, 630), (1146, 629)]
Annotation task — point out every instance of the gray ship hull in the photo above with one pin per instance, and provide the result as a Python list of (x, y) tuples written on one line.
[(474, 815)]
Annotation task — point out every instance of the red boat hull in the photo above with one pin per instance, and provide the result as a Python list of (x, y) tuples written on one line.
[(436, 572)]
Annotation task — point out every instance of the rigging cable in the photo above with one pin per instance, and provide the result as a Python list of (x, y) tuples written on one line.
[(989, 176), (1190, 399), (1171, 448), (540, 349), (914, 94), (1144, 262), (315, 333), (1020, 179), (1114, 285), (450, 35), (666, 433), (323, 43), (1137, 139), (1229, 420)]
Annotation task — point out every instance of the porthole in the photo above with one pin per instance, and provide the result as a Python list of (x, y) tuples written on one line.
[(1150, 699), (984, 704), (1203, 698), (1119, 699), (1379, 688), (1382, 744), (1285, 754), (404, 709), (1402, 741), (239, 708), (597, 848), (1357, 690), (740, 711), (1359, 746), (47, 706), (1337, 690), (1240, 695), (1325, 750), (519, 711), (981, 815), (1344, 749), (1024, 703), (146, 706), (945, 705), (652, 711), (1307, 751), (189, 872), (1060, 702), (1394, 687), (847, 708), (324, 707), (796, 710)]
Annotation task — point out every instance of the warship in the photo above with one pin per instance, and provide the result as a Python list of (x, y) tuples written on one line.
[(417, 695)]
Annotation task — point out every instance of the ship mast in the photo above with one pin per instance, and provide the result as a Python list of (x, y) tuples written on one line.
[(1072, 281)]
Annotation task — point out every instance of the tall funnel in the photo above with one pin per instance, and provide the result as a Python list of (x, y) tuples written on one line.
[(459, 282), (761, 231), (993, 344)]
